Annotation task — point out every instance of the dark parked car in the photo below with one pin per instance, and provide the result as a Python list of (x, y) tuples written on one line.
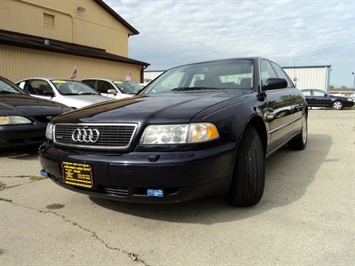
[(199, 129), (23, 119), (320, 98)]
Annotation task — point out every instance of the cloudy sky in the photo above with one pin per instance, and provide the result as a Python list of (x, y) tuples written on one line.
[(290, 32)]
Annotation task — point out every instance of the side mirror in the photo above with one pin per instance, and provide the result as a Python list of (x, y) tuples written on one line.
[(275, 83), (112, 91)]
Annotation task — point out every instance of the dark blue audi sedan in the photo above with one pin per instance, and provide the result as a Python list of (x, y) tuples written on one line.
[(197, 130)]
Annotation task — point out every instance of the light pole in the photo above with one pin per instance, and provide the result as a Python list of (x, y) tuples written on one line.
[(353, 84)]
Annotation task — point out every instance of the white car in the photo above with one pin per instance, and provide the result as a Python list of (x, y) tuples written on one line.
[(111, 87), (72, 93)]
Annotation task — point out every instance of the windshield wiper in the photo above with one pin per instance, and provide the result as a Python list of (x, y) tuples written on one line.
[(195, 88), (88, 93)]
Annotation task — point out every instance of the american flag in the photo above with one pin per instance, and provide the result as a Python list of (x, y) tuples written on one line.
[(129, 77), (73, 76)]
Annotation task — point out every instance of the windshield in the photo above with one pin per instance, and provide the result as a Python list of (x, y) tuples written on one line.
[(71, 87), (6, 87), (127, 87), (224, 74)]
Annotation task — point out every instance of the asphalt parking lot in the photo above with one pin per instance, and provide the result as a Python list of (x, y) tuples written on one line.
[(306, 216)]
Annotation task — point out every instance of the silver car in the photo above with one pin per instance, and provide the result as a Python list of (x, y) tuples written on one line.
[(72, 93), (116, 88)]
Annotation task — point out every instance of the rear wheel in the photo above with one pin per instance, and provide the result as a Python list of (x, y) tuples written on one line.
[(247, 185), (300, 141), (337, 105)]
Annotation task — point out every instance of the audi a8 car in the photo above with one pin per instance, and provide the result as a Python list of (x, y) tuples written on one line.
[(67, 91), (197, 130), (23, 119)]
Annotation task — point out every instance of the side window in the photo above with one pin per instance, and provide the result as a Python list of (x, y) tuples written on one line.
[(103, 86), (22, 84), (319, 93), (282, 74), (306, 93), (39, 87), (90, 83), (266, 71)]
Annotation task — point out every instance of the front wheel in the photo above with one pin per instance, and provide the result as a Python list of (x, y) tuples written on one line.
[(247, 185), (338, 105)]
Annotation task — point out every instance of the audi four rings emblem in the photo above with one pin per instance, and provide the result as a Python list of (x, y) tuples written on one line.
[(87, 135)]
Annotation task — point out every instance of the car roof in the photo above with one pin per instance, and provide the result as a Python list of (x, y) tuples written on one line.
[(51, 78), (107, 79), (255, 58), (313, 90)]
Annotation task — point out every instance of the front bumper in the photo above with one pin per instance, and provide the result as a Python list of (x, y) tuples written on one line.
[(349, 104), (182, 176), (21, 135)]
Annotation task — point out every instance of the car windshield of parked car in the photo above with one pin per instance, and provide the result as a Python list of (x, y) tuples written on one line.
[(71, 87), (8, 88), (232, 74), (127, 87)]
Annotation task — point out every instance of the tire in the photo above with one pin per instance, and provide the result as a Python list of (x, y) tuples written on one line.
[(300, 141), (337, 105), (247, 186)]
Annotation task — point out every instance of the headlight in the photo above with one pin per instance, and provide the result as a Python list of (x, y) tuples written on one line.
[(350, 100), (49, 131), (179, 134), (14, 120)]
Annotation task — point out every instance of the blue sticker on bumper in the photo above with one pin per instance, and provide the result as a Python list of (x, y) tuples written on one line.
[(155, 192)]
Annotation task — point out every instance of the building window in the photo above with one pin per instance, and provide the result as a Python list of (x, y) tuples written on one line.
[(48, 21)]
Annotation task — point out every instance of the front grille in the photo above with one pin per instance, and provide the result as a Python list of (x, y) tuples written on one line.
[(111, 136)]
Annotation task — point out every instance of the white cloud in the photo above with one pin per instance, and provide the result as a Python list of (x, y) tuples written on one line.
[(305, 32)]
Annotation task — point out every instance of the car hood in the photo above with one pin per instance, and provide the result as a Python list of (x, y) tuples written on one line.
[(79, 101), (29, 106), (344, 98), (160, 108)]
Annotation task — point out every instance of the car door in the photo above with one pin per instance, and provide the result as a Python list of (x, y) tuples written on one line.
[(277, 113), (321, 99), (297, 102), (308, 95)]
